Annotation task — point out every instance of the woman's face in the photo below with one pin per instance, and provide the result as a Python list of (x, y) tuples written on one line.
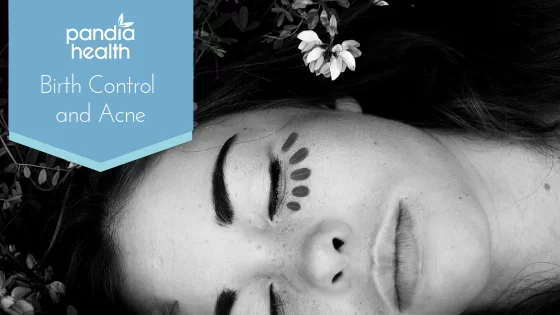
[(300, 211)]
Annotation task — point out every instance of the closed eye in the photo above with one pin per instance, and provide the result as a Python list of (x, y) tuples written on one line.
[(274, 170)]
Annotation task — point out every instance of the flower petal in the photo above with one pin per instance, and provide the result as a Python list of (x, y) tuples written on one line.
[(350, 43), (319, 63), (336, 66), (325, 68), (355, 52), (57, 287), (312, 66), (343, 67), (6, 301), (308, 46), (337, 48), (308, 36), (301, 45), (315, 54), (305, 58), (348, 59), (333, 22), (20, 292), (11, 311), (25, 306)]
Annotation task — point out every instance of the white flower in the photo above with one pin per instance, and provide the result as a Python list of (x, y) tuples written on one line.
[(14, 304), (344, 57), (328, 63), (309, 39), (379, 3)]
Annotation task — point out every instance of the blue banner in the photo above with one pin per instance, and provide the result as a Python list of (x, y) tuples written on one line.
[(101, 83)]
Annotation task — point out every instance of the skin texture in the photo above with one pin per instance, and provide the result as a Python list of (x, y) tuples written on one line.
[(361, 169)]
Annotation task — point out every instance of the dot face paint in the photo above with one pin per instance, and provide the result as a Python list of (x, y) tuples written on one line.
[(299, 156), (300, 191), (300, 174), (294, 206), (290, 141)]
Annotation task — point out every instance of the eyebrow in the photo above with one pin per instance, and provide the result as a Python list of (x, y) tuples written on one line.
[(225, 302), (220, 195)]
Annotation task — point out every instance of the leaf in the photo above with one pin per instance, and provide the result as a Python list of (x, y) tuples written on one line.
[(42, 177), (343, 3), (6, 205), (290, 27), (278, 10), (31, 157), (280, 20), (30, 261), (10, 169), (235, 19), (4, 187), (127, 24), (219, 21), (253, 26), (26, 172), (243, 18), (289, 17), (324, 18), (121, 18), (18, 188), (313, 22), (284, 34), (50, 160), (55, 178)]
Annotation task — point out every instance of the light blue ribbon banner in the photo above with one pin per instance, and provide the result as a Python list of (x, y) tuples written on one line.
[(101, 83)]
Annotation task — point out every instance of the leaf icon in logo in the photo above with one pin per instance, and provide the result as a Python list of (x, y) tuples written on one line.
[(122, 23)]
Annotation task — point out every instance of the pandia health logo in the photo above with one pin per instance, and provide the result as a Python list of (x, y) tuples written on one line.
[(112, 39)]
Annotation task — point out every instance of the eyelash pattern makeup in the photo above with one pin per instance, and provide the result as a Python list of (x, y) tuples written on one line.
[(299, 174)]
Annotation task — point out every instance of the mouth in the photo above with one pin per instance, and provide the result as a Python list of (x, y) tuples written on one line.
[(396, 259)]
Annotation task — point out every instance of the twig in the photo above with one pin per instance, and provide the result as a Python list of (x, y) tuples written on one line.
[(204, 21), (4, 123), (45, 167), (58, 224), (8, 150), (49, 189), (199, 56)]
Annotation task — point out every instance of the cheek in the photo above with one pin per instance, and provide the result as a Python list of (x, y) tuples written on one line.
[(455, 245)]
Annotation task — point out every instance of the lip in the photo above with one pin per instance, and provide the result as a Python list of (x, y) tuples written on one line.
[(384, 259)]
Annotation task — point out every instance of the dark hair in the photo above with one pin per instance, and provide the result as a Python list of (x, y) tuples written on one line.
[(491, 70)]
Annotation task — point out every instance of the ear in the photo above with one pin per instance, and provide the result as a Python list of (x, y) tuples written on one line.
[(348, 104)]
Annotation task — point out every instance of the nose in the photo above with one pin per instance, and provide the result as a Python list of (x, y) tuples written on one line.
[(326, 256)]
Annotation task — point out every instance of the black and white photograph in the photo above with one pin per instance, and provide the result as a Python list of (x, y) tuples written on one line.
[(348, 157)]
